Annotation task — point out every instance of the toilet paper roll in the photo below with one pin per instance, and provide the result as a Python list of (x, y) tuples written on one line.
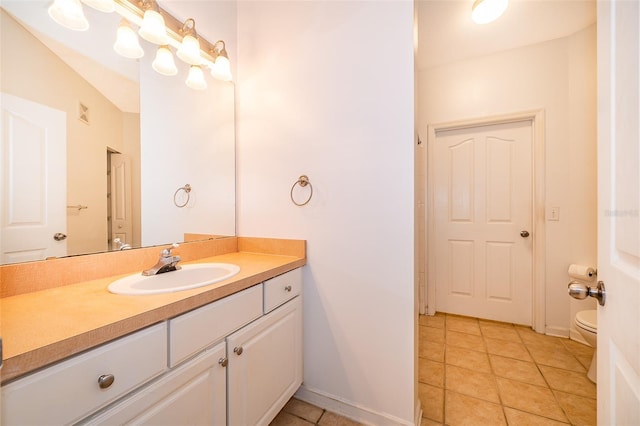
[(581, 272)]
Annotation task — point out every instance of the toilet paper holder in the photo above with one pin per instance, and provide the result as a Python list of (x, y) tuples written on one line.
[(579, 290)]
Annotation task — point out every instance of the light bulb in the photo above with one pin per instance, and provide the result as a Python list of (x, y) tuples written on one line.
[(221, 69), (164, 63), (195, 79), (189, 50), (127, 43), (485, 11), (153, 29), (69, 14), (106, 6)]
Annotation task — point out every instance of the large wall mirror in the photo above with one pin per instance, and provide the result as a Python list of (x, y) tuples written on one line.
[(96, 147)]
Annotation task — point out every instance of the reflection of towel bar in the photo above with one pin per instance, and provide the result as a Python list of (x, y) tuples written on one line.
[(79, 207)]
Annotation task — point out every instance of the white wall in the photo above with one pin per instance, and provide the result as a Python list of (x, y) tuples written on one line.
[(559, 77), (325, 88)]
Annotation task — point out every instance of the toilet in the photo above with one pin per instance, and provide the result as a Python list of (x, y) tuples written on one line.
[(587, 325)]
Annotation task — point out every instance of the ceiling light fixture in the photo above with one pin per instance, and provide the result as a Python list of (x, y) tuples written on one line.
[(127, 43), (69, 14), (164, 63), (189, 50), (485, 11)]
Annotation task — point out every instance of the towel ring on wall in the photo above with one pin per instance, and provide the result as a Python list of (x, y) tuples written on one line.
[(187, 190), (302, 181)]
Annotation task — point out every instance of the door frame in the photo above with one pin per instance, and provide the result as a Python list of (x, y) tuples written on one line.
[(536, 117)]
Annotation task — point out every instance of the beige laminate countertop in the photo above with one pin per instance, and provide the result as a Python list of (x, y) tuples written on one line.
[(46, 326)]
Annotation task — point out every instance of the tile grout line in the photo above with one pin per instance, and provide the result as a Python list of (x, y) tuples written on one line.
[(320, 418), (495, 376)]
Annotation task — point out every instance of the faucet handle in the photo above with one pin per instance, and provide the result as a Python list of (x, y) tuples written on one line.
[(167, 251)]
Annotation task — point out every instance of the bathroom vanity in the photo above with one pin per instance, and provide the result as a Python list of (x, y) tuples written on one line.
[(236, 359)]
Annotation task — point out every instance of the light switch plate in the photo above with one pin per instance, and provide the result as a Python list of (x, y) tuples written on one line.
[(554, 213)]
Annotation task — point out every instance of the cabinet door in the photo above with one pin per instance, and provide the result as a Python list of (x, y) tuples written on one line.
[(265, 365), (192, 394)]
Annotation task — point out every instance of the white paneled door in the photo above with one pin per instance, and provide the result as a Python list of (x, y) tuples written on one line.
[(121, 220), (482, 195), (619, 212), (33, 181)]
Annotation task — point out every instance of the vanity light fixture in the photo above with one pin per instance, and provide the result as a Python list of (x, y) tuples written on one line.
[(485, 11), (127, 43), (69, 14), (153, 28), (189, 50), (157, 26), (164, 63), (221, 68), (195, 79)]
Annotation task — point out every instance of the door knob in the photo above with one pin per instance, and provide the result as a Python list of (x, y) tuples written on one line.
[(578, 290), (238, 350), (59, 236), (524, 234)]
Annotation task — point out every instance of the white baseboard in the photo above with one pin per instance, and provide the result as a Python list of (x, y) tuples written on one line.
[(417, 419), (563, 332), (578, 337), (557, 331), (349, 409)]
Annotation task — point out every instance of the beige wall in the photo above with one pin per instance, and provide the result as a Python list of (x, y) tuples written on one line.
[(559, 77), (33, 72)]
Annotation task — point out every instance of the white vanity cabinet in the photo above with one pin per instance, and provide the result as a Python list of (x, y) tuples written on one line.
[(235, 361)]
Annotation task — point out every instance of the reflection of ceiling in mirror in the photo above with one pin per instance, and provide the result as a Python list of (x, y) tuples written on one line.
[(90, 53)]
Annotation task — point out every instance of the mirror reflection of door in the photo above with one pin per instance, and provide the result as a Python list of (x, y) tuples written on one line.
[(33, 178), (119, 216)]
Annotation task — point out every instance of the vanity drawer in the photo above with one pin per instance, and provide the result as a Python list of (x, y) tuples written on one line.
[(194, 331), (278, 290), (68, 391)]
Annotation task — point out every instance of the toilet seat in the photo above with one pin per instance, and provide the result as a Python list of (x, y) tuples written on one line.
[(588, 320)]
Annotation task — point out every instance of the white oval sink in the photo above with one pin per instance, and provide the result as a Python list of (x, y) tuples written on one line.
[(188, 277)]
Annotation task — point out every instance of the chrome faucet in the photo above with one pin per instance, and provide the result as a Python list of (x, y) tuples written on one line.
[(166, 263), (120, 245)]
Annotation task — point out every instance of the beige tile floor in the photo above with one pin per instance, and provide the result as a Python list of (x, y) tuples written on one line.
[(300, 413), (477, 372)]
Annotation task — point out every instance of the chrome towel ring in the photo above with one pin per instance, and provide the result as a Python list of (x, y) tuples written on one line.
[(302, 181), (187, 190)]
